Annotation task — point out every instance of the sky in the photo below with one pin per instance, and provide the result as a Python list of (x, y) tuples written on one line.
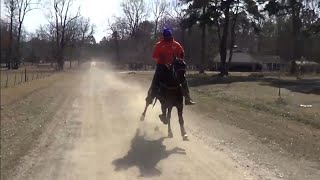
[(97, 10)]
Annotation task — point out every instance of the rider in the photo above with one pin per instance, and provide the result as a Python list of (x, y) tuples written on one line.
[(163, 54)]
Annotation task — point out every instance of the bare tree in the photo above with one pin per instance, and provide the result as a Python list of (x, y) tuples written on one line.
[(118, 31), (135, 12), (176, 10), (11, 7), (23, 7), (62, 19), (159, 8), (178, 13), (85, 30)]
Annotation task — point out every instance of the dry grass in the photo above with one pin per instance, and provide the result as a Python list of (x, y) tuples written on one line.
[(253, 105), (12, 94), (16, 77), (262, 94), (26, 110), (40, 71)]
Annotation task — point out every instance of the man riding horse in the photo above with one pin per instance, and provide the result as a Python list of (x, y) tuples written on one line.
[(165, 51)]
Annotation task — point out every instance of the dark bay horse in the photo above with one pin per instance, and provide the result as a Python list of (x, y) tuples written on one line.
[(170, 95)]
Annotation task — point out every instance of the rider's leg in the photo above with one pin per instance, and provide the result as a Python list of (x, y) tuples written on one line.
[(154, 86), (186, 93)]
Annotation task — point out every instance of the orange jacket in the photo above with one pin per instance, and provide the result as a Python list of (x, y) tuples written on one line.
[(164, 51)]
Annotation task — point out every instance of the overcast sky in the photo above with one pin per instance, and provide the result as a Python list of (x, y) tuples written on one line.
[(97, 10)]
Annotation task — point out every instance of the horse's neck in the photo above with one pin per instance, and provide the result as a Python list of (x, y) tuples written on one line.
[(168, 79)]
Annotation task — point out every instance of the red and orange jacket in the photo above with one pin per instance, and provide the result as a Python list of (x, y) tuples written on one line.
[(164, 51)]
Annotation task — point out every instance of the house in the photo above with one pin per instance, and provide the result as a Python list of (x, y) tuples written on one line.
[(271, 62), (241, 62)]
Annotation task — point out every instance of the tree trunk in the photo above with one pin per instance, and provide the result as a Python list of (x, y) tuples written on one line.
[(18, 56), (155, 29), (9, 61), (203, 45), (232, 42), (296, 24), (183, 39), (118, 50), (224, 40), (60, 62)]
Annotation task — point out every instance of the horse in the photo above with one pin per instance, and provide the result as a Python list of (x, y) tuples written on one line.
[(170, 95)]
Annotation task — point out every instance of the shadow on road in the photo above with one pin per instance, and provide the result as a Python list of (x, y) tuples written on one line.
[(145, 155)]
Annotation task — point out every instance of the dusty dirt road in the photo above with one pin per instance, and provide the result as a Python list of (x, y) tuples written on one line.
[(96, 134)]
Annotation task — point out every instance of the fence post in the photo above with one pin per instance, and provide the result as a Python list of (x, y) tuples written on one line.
[(21, 80), (32, 75), (25, 74), (15, 79), (37, 75), (7, 80)]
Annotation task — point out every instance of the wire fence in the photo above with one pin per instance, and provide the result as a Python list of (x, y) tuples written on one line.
[(10, 78)]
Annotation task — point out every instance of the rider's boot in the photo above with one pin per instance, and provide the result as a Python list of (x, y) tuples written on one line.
[(188, 100)]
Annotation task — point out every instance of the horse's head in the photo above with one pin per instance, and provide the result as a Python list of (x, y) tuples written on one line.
[(179, 69)]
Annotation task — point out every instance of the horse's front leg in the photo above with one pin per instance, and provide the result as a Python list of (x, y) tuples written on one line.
[(144, 112), (170, 135), (181, 122), (163, 116)]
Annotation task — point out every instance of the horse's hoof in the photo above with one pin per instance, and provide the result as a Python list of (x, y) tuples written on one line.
[(142, 117), (163, 119), (170, 135), (185, 137)]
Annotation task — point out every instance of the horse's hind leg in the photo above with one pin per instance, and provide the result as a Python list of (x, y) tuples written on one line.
[(170, 135), (181, 122)]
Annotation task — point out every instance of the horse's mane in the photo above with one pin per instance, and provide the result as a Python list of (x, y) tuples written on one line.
[(169, 75)]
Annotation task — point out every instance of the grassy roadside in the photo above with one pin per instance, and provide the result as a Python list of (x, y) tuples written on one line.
[(26, 111), (253, 105), (261, 95), (12, 94)]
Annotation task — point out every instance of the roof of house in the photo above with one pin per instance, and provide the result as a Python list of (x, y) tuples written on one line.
[(238, 57), (268, 58)]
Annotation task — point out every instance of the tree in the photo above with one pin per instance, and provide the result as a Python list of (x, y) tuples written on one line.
[(118, 30), (303, 15), (11, 7), (81, 32), (62, 19), (159, 8), (4, 44), (23, 7), (219, 13), (178, 14), (134, 12)]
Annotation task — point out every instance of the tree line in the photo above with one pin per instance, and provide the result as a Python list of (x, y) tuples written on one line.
[(206, 28), (64, 36)]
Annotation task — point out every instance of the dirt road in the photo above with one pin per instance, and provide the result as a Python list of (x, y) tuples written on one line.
[(96, 134)]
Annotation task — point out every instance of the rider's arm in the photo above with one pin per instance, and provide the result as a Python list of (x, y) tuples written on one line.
[(179, 51), (156, 53)]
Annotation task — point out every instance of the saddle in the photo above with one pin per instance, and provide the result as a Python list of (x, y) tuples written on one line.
[(170, 81)]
